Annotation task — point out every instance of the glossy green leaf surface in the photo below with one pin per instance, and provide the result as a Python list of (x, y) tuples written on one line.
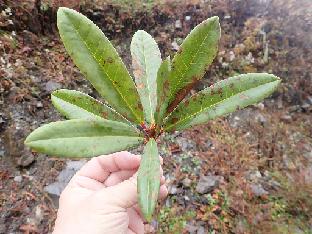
[(146, 60), (83, 138), (162, 89), (222, 98), (149, 179), (192, 60), (98, 60), (77, 105)]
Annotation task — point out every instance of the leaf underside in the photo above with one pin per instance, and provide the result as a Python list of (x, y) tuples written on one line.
[(192, 60), (83, 138), (146, 60), (222, 98), (149, 179), (77, 105), (98, 60)]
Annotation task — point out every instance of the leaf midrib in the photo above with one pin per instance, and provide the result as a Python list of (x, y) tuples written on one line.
[(102, 68), (190, 63), (147, 82), (65, 138), (204, 109)]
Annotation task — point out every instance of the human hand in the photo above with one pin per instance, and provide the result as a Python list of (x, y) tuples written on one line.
[(102, 197)]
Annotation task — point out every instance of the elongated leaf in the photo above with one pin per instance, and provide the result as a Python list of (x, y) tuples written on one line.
[(146, 60), (162, 89), (222, 98), (192, 60), (83, 138), (97, 59), (149, 179), (77, 105)]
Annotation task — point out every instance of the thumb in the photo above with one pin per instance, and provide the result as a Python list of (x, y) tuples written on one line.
[(123, 194)]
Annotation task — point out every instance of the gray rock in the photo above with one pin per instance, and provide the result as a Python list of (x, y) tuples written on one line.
[(188, 18), (172, 190), (39, 104), (51, 86), (178, 24), (201, 230), (288, 163), (55, 189), (294, 108), (191, 228), (207, 184), (187, 182), (18, 178), (253, 175), (260, 118), (258, 190), (286, 118), (175, 46), (26, 159)]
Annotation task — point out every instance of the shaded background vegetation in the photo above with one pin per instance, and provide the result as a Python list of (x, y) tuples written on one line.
[(260, 158)]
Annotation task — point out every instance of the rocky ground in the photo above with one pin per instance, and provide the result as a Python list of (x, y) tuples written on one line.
[(250, 172)]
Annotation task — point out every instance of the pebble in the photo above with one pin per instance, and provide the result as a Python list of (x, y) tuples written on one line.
[(286, 118), (18, 179), (258, 190), (187, 182), (51, 86), (172, 190), (178, 24), (26, 159), (207, 184)]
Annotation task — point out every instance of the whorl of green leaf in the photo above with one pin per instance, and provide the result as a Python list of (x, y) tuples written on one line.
[(83, 138), (149, 179), (77, 105), (98, 60), (192, 60), (222, 98), (146, 60)]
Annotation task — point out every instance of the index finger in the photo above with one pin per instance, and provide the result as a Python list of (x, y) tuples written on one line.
[(99, 168)]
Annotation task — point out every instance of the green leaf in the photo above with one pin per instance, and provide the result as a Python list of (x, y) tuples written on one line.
[(149, 179), (98, 60), (77, 105), (162, 90), (83, 138), (146, 60), (222, 98), (192, 60)]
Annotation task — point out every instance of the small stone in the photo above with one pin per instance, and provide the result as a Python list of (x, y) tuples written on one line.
[(227, 17), (289, 164), (39, 105), (294, 108), (172, 190), (306, 106), (186, 198), (188, 18), (201, 230), (260, 118), (286, 118), (253, 175), (26, 159), (207, 184), (191, 228), (18, 179), (258, 190), (51, 86), (178, 24), (187, 182), (175, 46)]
